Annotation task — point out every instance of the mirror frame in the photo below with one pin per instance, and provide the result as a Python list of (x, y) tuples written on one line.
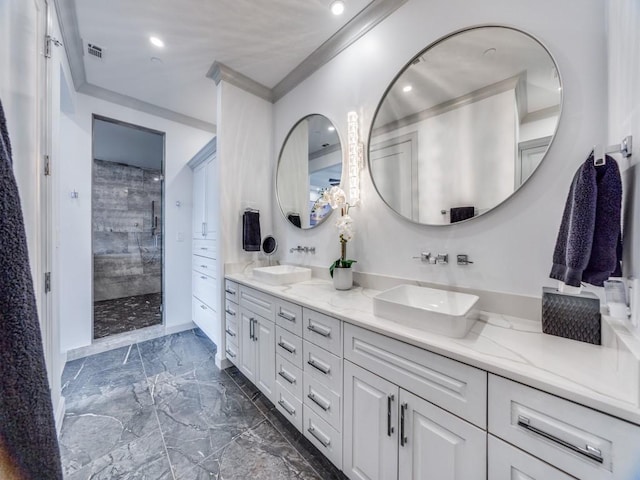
[(342, 173), (409, 63)]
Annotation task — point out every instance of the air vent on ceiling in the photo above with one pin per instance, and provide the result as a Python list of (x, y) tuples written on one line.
[(94, 50)]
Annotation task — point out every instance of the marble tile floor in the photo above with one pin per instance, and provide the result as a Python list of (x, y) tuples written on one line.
[(161, 409), (125, 314)]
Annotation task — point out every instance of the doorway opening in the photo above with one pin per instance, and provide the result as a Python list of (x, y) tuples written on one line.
[(127, 227)]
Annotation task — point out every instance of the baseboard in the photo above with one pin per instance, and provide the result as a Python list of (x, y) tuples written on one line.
[(222, 363), (59, 414)]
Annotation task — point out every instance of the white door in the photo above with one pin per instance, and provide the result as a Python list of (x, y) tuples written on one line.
[(370, 442), (511, 463), (199, 188), (247, 345), (266, 358), (435, 444), (210, 209)]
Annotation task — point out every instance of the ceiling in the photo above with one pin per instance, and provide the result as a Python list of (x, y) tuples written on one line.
[(265, 41)]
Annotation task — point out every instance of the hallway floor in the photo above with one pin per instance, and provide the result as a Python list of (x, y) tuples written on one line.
[(161, 409), (120, 315)]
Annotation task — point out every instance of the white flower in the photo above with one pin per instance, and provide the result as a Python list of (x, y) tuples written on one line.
[(345, 228), (335, 197)]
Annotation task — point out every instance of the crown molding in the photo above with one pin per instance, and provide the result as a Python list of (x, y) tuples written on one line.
[(220, 71)]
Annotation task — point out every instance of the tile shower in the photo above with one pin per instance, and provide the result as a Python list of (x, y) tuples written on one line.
[(127, 247)]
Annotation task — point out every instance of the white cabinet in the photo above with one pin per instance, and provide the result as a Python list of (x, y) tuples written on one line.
[(204, 199), (391, 433), (258, 351)]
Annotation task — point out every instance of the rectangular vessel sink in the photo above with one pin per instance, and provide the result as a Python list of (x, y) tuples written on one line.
[(439, 311), (281, 274)]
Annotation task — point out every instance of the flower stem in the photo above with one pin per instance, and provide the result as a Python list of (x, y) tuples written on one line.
[(343, 250)]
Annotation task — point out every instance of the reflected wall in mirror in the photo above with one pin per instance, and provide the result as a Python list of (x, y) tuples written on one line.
[(310, 162), (464, 125)]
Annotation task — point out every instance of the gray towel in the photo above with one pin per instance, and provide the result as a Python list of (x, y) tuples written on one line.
[(27, 427), (589, 244)]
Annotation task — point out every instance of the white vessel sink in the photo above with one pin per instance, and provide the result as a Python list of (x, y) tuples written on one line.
[(281, 274), (439, 311)]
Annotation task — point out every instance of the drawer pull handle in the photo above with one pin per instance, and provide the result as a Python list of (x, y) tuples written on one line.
[(204, 248), (317, 401), (590, 452), (229, 291), (284, 375), (203, 277), (230, 353), (203, 307), (230, 312), (230, 332), (203, 266), (290, 411), (291, 318), (319, 331), (324, 442), (403, 439), (390, 399), (286, 347), (320, 368)]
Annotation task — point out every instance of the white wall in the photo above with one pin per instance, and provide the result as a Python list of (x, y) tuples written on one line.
[(182, 142), (512, 246), (245, 158), (624, 115)]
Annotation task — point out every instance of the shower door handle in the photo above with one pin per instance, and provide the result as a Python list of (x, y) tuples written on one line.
[(203, 230)]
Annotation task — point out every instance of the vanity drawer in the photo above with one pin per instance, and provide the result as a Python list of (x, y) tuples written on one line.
[(231, 329), (289, 406), (289, 316), (323, 366), (510, 463), (289, 346), (204, 247), (232, 353), (231, 291), (230, 311), (451, 385), (582, 442), (324, 402), (257, 302), (323, 436), (289, 376), (203, 317), (204, 265), (204, 287), (323, 330)]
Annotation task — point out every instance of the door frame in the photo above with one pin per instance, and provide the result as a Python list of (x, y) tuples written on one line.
[(103, 118)]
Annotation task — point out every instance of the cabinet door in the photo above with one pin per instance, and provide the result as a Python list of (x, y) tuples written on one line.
[(210, 199), (199, 187), (435, 444), (247, 354), (265, 331), (370, 443)]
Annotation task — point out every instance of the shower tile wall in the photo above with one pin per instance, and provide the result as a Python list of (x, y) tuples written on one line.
[(126, 253)]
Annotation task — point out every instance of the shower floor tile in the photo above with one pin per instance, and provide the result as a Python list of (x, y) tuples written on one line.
[(121, 315)]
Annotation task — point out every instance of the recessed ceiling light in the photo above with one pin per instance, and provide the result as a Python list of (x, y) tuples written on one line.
[(156, 41), (407, 88), (337, 7), (331, 128)]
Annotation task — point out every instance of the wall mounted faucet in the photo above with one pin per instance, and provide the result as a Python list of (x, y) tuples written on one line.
[(303, 249), (427, 257)]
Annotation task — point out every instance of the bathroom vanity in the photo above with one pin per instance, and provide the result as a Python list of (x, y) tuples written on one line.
[(382, 400)]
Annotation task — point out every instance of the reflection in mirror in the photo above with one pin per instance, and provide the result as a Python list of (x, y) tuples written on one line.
[(310, 162), (464, 125)]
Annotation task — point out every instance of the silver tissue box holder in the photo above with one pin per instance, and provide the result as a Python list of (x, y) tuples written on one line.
[(571, 316)]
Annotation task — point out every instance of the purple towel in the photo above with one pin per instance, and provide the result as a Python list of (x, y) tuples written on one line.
[(589, 244), (27, 429)]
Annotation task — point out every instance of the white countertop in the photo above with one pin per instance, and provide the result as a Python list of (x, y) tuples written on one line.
[(606, 378)]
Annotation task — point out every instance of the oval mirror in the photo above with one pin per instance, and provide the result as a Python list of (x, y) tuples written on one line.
[(310, 162), (464, 125)]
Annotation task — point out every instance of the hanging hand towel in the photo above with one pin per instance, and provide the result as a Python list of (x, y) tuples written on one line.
[(251, 238), (27, 429), (589, 244), (458, 214)]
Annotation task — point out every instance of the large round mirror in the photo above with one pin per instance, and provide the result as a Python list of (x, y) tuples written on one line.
[(464, 125), (310, 162)]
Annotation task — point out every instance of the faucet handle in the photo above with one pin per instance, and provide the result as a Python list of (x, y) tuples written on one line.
[(442, 258), (426, 257)]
